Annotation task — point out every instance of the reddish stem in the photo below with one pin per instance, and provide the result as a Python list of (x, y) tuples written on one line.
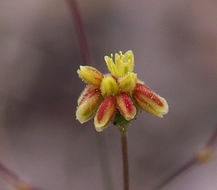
[(13, 179), (80, 31), (213, 138), (125, 160)]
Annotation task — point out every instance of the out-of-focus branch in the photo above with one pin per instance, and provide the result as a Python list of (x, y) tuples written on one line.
[(14, 180), (182, 169), (79, 27), (213, 138), (202, 156)]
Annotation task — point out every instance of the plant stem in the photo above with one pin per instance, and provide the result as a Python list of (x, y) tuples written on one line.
[(188, 164), (13, 179), (85, 53), (125, 158), (104, 162), (79, 27), (173, 176), (213, 138)]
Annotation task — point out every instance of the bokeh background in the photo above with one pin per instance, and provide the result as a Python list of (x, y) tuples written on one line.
[(175, 47)]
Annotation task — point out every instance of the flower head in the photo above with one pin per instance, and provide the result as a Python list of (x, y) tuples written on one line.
[(116, 96)]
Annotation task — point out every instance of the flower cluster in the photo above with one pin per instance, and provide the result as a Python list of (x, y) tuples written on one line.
[(116, 93)]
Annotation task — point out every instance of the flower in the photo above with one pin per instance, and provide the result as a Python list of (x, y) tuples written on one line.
[(116, 96)]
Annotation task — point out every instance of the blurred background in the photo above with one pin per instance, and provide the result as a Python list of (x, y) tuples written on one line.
[(175, 48)]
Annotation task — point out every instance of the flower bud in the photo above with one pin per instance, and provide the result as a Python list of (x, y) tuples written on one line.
[(90, 75), (128, 82), (125, 106), (88, 104), (85, 92), (105, 113), (109, 86), (149, 101)]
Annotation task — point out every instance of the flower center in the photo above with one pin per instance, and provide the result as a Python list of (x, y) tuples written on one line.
[(109, 86)]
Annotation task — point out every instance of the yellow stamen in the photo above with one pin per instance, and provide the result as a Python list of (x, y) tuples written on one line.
[(122, 64)]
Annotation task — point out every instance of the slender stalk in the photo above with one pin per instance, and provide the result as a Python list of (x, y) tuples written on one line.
[(8, 175), (182, 169), (188, 164), (13, 179), (82, 40), (213, 138), (79, 27), (125, 159), (104, 162)]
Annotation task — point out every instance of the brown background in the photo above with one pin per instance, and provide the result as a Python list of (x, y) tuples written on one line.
[(175, 47)]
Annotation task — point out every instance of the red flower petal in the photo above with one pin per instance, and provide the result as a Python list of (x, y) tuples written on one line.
[(85, 93), (88, 104), (105, 113), (125, 106), (149, 101)]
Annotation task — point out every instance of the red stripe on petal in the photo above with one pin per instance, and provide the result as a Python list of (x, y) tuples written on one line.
[(108, 103), (88, 92), (114, 77), (99, 76), (105, 113), (137, 97), (125, 105), (88, 104), (144, 90), (149, 101)]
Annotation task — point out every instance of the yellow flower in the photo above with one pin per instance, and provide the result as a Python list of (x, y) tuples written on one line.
[(119, 93), (123, 64)]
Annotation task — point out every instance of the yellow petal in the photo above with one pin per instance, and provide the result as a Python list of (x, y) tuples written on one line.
[(125, 106), (128, 82), (88, 105), (90, 75), (129, 59), (109, 86), (123, 63), (149, 101), (111, 66), (105, 113), (119, 65)]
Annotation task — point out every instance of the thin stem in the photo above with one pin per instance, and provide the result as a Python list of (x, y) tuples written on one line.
[(82, 40), (104, 162), (79, 27), (13, 179), (182, 169), (125, 159), (213, 138), (188, 164), (8, 175)]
